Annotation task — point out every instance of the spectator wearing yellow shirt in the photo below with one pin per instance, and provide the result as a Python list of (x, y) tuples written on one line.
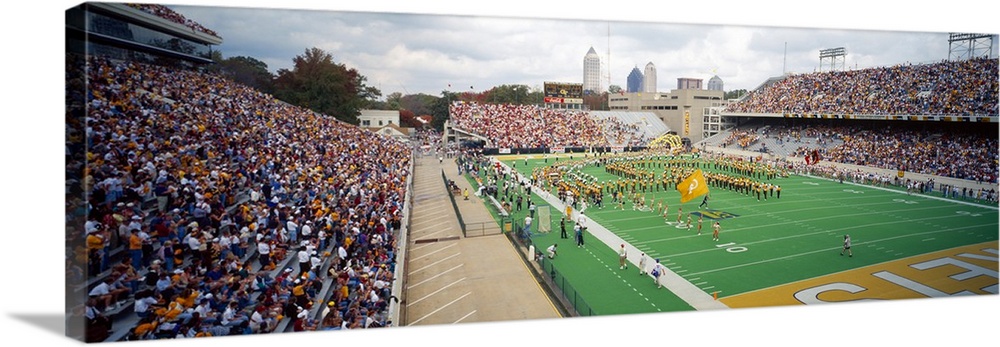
[(135, 248)]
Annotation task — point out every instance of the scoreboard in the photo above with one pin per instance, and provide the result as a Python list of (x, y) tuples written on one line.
[(563, 93)]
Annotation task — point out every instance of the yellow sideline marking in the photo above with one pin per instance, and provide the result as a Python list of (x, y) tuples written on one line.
[(967, 270)]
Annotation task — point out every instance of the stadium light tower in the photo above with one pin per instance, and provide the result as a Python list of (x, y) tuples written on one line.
[(836, 56), (963, 46)]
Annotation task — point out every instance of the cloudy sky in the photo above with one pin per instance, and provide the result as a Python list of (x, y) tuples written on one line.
[(423, 50)]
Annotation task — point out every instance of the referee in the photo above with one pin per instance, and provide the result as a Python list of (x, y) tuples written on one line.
[(847, 246)]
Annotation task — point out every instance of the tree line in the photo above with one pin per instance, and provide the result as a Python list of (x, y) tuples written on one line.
[(317, 82)]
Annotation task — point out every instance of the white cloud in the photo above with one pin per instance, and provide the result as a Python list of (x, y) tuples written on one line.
[(422, 53)]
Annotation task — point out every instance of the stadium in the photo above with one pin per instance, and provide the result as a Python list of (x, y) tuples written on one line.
[(200, 206)]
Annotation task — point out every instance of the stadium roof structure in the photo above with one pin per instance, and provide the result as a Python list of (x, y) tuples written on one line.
[(122, 26)]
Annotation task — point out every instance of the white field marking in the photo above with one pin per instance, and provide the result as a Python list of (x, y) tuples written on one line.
[(433, 252), (928, 196), (700, 283), (439, 309), (431, 234), (415, 226), (436, 291), (433, 277), (802, 221), (930, 239), (464, 317), (632, 218), (840, 229), (435, 263), (914, 286), (826, 250), (707, 288), (851, 205), (988, 250), (798, 211)]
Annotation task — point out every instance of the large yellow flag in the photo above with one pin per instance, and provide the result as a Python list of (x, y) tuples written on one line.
[(692, 186)]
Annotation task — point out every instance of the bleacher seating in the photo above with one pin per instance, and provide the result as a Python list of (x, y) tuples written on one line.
[(202, 149)]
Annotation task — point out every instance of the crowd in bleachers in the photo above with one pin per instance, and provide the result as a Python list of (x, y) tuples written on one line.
[(171, 15), (622, 133), (970, 156), (967, 87), (741, 137), (215, 209), (527, 126)]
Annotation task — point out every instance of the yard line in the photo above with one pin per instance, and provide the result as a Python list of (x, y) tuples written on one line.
[(928, 196), (827, 250), (800, 235), (632, 218)]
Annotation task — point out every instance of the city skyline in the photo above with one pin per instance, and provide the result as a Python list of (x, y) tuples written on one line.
[(413, 53)]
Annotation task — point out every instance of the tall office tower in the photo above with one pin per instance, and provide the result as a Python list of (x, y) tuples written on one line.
[(634, 82), (592, 72), (649, 79)]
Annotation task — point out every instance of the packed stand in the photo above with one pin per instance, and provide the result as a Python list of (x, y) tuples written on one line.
[(967, 87), (527, 126), (171, 15), (942, 152), (622, 133), (217, 210), (742, 138)]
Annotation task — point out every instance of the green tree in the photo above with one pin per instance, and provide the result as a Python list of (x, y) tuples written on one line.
[(248, 71), (439, 109), (735, 94), (615, 89), (420, 104), (318, 83), (393, 100)]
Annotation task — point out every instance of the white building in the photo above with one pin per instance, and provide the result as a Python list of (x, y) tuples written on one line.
[(649, 79), (592, 72), (378, 118)]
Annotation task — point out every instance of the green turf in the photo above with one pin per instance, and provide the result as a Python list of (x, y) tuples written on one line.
[(767, 243), (590, 276)]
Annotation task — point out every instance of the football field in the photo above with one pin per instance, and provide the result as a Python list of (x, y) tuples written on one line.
[(776, 251)]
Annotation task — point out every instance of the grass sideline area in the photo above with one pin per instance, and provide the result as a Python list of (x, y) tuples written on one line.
[(763, 244)]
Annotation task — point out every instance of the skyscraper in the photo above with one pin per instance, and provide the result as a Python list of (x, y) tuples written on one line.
[(591, 72), (634, 82), (649, 79)]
